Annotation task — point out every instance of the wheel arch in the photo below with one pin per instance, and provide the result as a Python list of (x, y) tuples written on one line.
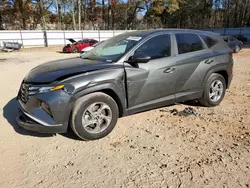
[(114, 95), (224, 74), (110, 89), (222, 70)]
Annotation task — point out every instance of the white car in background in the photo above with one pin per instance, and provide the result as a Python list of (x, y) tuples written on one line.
[(87, 49)]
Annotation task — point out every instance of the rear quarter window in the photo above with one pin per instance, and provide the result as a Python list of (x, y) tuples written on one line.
[(210, 42)]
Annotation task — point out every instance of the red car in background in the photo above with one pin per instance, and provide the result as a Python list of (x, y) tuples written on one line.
[(75, 47)]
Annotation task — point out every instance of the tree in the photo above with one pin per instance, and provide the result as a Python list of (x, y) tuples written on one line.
[(103, 14), (79, 14), (73, 15), (59, 14)]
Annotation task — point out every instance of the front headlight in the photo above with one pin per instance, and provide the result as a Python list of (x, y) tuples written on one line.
[(44, 89)]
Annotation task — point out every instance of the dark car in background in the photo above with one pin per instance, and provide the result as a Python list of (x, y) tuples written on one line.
[(75, 47), (233, 43), (129, 73), (241, 38)]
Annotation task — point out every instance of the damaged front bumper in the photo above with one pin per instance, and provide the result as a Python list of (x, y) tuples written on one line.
[(43, 112), (29, 122)]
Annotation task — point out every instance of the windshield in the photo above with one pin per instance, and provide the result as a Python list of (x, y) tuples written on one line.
[(113, 49)]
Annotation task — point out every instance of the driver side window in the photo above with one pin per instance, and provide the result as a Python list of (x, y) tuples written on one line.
[(156, 47)]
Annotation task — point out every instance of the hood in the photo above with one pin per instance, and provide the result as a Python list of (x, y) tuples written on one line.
[(61, 69), (71, 40)]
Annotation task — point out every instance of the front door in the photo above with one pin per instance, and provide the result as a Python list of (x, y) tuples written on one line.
[(153, 83)]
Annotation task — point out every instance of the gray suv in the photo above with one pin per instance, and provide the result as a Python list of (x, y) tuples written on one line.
[(127, 74)]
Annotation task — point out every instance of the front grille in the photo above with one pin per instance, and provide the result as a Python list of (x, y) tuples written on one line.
[(23, 94)]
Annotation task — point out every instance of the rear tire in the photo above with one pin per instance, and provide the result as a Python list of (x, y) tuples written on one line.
[(94, 116), (214, 90)]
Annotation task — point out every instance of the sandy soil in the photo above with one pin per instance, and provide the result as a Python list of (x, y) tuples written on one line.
[(153, 149)]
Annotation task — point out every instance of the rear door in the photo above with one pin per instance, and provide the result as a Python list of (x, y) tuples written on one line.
[(193, 60)]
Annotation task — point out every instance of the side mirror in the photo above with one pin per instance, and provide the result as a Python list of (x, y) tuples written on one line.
[(139, 57)]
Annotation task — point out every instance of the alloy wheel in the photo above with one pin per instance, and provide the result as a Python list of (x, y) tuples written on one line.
[(216, 90), (97, 117)]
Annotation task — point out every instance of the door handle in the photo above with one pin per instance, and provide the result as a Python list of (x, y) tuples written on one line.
[(169, 70), (209, 61)]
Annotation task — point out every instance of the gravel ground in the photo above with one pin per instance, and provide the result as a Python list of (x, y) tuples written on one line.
[(200, 147)]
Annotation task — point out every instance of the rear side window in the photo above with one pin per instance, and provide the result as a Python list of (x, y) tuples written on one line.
[(188, 43), (208, 40), (157, 47)]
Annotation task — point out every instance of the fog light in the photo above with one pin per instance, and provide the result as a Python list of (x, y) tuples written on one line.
[(46, 108)]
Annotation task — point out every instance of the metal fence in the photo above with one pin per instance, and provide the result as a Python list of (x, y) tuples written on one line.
[(30, 38), (53, 37), (232, 31)]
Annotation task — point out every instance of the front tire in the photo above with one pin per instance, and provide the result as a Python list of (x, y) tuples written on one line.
[(214, 90), (94, 116)]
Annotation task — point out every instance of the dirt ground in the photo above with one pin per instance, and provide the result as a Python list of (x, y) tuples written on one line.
[(210, 148)]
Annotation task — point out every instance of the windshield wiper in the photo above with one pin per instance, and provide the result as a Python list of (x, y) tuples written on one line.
[(87, 58)]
